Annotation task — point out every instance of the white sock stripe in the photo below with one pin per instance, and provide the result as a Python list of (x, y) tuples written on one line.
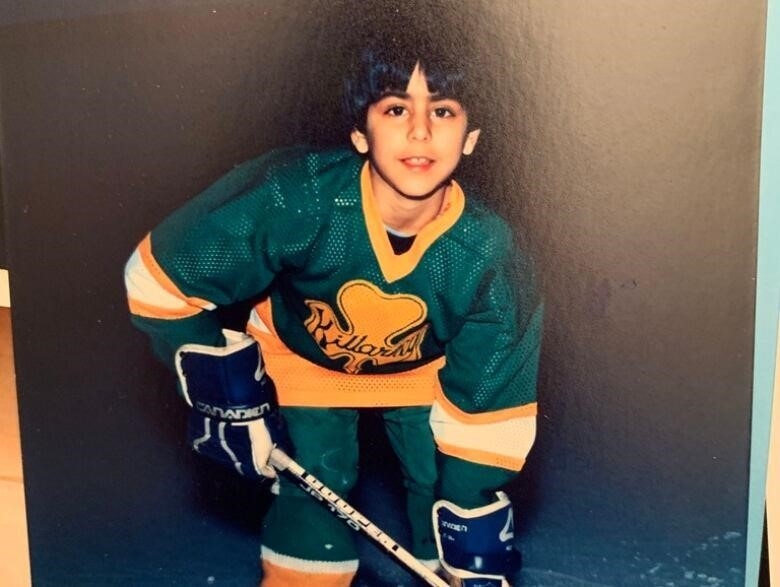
[(308, 566)]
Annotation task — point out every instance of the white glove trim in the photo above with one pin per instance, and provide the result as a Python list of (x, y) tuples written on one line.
[(223, 443), (262, 445), (260, 440), (501, 501), (508, 531), (236, 341), (206, 434)]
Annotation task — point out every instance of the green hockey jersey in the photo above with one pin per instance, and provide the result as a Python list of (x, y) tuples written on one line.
[(454, 322)]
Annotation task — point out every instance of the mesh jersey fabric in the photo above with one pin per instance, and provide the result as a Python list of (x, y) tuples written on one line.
[(294, 218), (294, 225)]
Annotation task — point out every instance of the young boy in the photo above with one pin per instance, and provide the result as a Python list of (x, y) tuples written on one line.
[(381, 286)]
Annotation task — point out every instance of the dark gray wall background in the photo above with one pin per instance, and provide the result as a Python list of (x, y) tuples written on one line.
[(624, 146)]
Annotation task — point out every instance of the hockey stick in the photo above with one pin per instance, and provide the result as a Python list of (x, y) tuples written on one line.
[(352, 517)]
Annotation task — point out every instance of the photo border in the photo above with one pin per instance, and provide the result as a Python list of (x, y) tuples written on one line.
[(767, 296)]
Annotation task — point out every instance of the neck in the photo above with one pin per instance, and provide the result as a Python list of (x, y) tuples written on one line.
[(403, 213), (410, 216)]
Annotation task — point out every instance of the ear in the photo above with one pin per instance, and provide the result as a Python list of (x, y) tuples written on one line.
[(470, 142), (359, 140)]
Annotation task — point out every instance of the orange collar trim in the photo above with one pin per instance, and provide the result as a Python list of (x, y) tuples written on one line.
[(395, 267)]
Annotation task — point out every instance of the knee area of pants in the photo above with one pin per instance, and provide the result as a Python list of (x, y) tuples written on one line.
[(341, 482), (336, 471), (420, 487)]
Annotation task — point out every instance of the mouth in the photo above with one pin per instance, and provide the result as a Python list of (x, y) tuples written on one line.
[(417, 163)]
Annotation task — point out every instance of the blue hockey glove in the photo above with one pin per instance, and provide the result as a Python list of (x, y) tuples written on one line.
[(476, 546), (235, 419)]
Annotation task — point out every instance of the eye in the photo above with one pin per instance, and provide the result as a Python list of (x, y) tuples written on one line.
[(395, 110), (443, 112)]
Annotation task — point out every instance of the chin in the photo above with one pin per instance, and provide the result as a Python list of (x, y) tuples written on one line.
[(421, 192)]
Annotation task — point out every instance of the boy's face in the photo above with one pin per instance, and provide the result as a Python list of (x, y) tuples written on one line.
[(415, 139)]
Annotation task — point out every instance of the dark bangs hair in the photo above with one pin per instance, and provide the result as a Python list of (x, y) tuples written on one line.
[(388, 65)]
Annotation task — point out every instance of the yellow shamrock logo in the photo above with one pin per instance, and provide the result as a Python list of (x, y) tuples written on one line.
[(378, 328)]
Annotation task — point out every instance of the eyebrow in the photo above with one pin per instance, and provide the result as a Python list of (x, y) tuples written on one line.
[(402, 95), (394, 94)]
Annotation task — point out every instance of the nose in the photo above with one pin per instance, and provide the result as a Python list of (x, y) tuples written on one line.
[(420, 127)]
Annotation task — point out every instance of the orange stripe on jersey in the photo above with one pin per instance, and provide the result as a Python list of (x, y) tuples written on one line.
[(393, 266), (150, 311), (300, 382), (147, 298), (486, 417), (504, 443), (151, 294), (276, 576), (145, 250), (481, 456)]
